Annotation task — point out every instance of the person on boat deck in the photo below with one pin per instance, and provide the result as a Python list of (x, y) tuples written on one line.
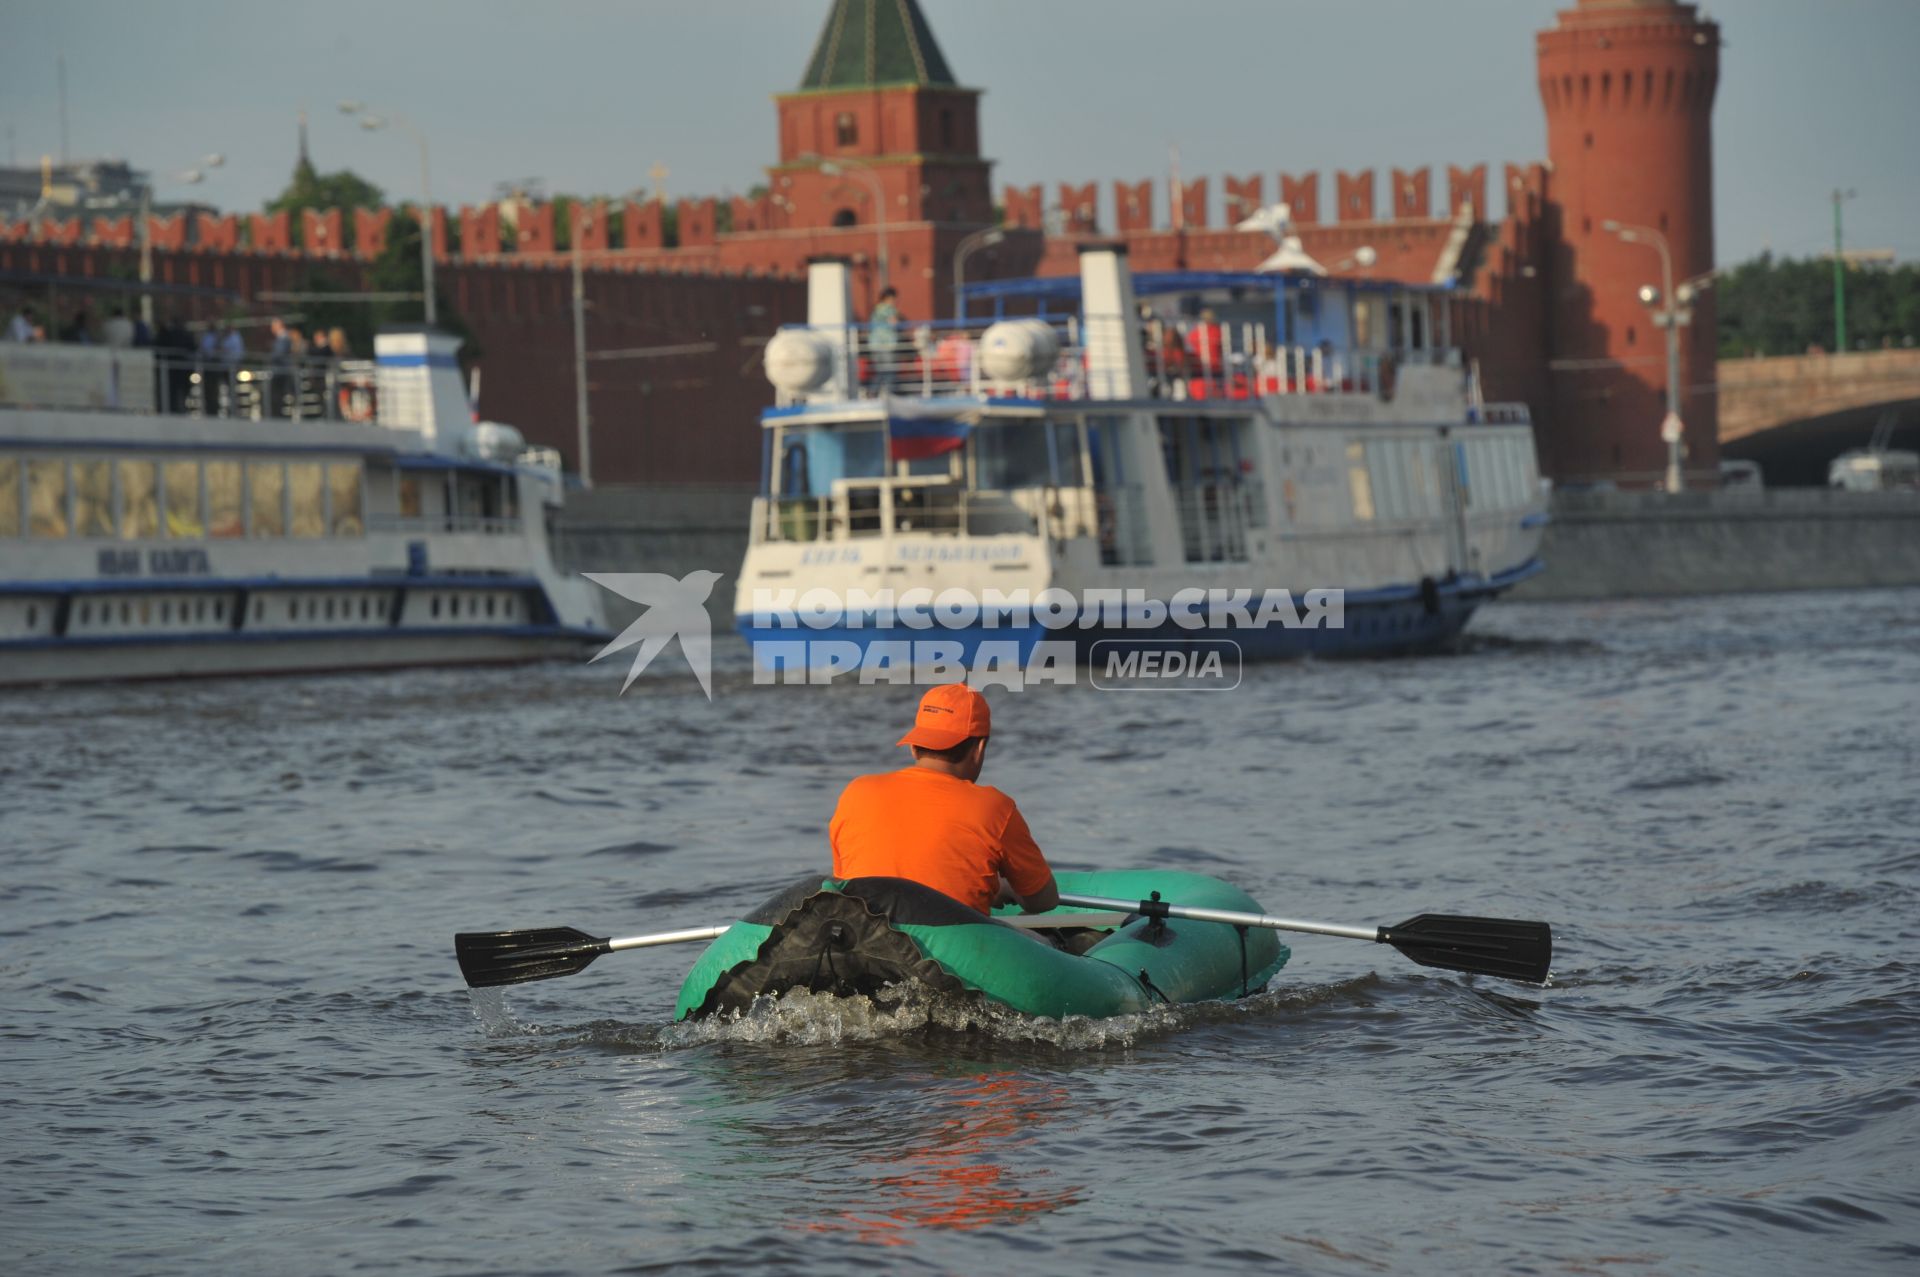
[(883, 338), (932, 824)]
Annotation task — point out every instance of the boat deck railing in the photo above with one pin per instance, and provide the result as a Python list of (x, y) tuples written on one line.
[(1184, 359), (858, 509), (1215, 518), (440, 524), (186, 384)]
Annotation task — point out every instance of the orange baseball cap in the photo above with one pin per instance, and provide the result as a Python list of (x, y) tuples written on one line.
[(948, 715)]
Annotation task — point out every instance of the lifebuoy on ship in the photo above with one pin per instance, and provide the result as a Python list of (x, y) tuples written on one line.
[(357, 401)]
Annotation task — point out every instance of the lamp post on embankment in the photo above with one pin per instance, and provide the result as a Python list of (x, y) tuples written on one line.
[(963, 250), (1671, 309), (373, 123), (854, 168), (1839, 277), (191, 177)]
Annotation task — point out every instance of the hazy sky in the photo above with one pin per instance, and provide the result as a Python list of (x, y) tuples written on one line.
[(588, 95)]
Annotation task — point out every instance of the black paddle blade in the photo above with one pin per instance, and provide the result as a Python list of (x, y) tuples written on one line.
[(1504, 947), (489, 958)]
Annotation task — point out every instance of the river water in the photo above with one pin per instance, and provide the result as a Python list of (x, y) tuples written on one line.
[(236, 1040)]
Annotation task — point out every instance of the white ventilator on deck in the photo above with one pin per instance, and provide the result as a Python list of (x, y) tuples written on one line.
[(417, 374), (800, 360), (493, 441), (1018, 350), (1116, 365)]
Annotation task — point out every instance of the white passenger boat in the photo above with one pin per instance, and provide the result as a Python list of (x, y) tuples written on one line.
[(230, 518), (1172, 441)]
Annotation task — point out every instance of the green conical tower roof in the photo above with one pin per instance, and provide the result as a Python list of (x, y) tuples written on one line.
[(873, 42)]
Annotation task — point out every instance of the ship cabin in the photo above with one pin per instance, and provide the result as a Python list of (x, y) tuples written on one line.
[(1039, 411)]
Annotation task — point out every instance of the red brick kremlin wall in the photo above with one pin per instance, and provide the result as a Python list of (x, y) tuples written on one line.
[(692, 418)]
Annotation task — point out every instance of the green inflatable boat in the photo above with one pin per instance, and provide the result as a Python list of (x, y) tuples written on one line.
[(860, 935)]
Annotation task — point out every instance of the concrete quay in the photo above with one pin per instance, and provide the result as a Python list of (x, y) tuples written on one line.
[(1627, 544), (1598, 545)]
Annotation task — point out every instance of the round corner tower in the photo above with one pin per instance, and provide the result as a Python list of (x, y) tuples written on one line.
[(1628, 88)]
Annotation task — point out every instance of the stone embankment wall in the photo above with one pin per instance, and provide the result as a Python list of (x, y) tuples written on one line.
[(1622, 544), (1599, 545), (675, 530)]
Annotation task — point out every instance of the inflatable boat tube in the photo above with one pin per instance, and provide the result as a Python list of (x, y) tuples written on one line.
[(857, 936)]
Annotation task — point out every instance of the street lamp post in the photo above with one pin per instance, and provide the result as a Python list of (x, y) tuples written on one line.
[(979, 239), (581, 424), (1839, 277), (372, 123), (1672, 310), (854, 168), (190, 177)]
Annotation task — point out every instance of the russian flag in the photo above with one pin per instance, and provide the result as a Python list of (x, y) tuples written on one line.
[(917, 438)]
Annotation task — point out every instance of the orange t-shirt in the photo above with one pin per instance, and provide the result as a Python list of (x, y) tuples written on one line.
[(936, 830)]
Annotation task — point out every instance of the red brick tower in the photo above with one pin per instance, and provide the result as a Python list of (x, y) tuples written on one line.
[(1628, 88), (879, 104)]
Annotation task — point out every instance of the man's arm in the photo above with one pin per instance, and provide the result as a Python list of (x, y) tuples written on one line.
[(1026, 872)]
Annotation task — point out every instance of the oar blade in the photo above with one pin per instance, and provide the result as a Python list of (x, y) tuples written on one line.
[(1504, 947), (490, 958)]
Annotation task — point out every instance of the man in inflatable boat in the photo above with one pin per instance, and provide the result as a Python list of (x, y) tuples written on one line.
[(931, 823)]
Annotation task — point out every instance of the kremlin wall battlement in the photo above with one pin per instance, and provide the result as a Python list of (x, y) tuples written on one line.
[(635, 236)]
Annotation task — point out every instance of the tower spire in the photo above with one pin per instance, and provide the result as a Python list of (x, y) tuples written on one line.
[(304, 164)]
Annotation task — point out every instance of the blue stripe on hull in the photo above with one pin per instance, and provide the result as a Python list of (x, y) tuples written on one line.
[(1376, 623)]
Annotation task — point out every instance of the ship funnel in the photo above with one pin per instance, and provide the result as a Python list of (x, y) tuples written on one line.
[(1116, 364), (417, 378), (830, 315)]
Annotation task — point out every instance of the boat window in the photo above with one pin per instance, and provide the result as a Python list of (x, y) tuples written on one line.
[(267, 492), (139, 500), (1210, 469), (223, 499), (305, 486), (409, 496), (1069, 464), (1123, 531), (813, 457), (184, 517), (1358, 482), (93, 498), (46, 498), (9, 497), (1011, 454)]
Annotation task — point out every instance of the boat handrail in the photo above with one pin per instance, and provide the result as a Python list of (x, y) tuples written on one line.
[(1185, 359), (174, 383), (430, 524)]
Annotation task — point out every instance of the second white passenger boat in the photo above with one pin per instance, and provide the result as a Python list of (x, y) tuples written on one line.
[(1185, 441)]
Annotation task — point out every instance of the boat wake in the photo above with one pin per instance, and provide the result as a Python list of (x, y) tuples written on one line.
[(803, 1018)]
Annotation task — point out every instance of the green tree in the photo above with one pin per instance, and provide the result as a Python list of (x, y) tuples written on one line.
[(1784, 306), (344, 190), (397, 270)]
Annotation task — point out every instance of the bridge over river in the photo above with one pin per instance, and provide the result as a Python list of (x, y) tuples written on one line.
[(1794, 414)]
